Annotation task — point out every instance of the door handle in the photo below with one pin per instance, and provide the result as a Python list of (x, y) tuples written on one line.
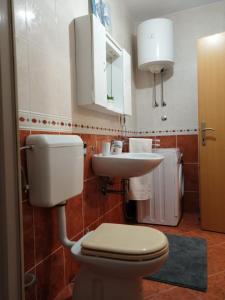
[(208, 129), (204, 129)]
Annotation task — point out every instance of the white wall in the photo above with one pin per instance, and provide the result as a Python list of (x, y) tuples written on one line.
[(44, 51), (181, 88)]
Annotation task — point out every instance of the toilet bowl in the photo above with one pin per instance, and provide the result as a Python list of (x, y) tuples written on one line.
[(114, 258)]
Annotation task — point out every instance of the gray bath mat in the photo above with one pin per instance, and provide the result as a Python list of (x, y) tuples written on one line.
[(186, 265)]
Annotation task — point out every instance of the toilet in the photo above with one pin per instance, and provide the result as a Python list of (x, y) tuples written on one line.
[(114, 257)]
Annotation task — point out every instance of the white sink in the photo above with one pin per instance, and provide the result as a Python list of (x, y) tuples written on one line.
[(125, 165)]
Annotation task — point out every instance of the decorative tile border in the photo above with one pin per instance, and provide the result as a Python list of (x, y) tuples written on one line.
[(167, 132), (45, 122)]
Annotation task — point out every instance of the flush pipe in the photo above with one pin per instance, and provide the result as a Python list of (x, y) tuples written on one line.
[(61, 212)]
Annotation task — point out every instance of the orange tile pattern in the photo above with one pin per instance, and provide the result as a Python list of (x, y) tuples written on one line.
[(43, 253), (188, 144)]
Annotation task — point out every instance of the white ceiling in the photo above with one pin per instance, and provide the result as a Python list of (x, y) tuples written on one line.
[(144, 9)]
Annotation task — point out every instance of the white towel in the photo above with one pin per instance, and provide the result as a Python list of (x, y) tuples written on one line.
[(141, 188)]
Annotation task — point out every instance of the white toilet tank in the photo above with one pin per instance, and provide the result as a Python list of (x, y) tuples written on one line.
[(55, 168)]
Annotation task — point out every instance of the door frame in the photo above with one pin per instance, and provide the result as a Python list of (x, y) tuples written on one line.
[(11, 259)]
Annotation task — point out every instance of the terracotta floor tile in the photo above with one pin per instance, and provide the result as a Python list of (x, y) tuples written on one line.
[(216, 259), (189, 222), (189, 226), (153, 287), (213, 238), (216, 288), (176, 293)]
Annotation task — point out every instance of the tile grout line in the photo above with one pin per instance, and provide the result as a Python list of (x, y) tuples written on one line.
[(64, 267), (90, 179), (217, 273), (35, 267), (49, 255), (100, 217), (160, 292)]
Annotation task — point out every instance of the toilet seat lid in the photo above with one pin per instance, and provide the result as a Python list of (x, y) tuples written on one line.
[(126, 239)]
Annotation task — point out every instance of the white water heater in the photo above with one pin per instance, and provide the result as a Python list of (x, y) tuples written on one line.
[(155, 45)]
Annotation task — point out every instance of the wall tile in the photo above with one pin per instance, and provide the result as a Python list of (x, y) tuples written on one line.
[(92, 196), (167, 141), (22, 73), (180, 86), (48, 30), (191, 173), (28, 236), (30, 292), (43, 132), (90, 140), (74, 215), (20, 16), (50, 274), (41, 24), (47, 94), (92, 226), (216, 262), (107, 202), (71, 265), (66, 293), (22, 137), (100, 139), (188, 145), (191, 202), (115, 215), (46, 232)]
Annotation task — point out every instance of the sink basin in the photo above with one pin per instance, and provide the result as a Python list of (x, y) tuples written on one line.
[(125, 165)]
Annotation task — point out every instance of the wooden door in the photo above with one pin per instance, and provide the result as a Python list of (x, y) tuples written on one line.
[(211, 86)]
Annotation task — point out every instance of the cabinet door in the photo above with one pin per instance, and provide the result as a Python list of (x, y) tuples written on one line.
[(99, 63), (127, 83)]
